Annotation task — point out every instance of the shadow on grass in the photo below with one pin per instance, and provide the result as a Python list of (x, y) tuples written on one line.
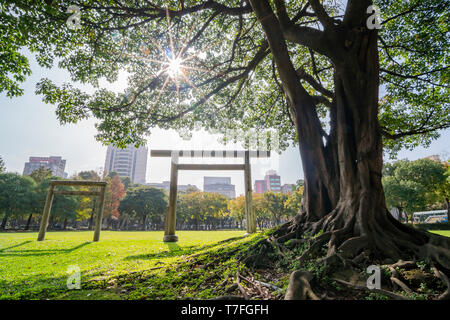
[(176, 250), (37, 252), (51, 287), (15, 246)]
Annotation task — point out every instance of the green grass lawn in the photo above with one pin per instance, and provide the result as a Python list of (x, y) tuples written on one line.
[(28, 267), (122, 265), (445, 233)]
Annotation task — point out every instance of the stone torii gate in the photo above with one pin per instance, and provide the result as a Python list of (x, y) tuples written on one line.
[(73, 183), (170, 219)]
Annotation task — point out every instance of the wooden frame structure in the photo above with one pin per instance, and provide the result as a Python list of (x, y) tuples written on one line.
[(73, 183), (170, 218)]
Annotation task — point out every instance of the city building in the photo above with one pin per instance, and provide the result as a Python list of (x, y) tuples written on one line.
[(260, 186), (221, 185), (434, 157), (165, 185), (273, 181), (56, 164), (287, 187), (129, 162)]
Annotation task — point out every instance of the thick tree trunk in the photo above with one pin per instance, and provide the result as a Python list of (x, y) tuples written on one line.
[(321, 188), (344, 198)]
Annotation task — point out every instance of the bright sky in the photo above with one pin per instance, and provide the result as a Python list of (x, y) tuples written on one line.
[(29, 127)]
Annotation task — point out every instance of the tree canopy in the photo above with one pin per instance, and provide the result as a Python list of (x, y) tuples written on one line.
[(223, 55)]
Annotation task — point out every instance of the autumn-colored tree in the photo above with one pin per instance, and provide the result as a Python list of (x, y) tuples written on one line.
[(115, 191)]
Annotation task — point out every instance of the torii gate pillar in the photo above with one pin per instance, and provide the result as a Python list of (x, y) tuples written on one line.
[(169, 232)]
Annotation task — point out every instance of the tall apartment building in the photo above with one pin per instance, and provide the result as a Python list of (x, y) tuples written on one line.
[(273, 181), (129, 162), (260, 186), (221, 185), (56, 164)]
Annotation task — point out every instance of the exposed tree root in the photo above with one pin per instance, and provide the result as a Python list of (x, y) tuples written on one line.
[(444, 278), (355, 241), (238, 283), (381, 291), (299, 287), (395, 279)]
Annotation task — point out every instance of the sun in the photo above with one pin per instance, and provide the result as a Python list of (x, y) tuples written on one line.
[(174, 68)]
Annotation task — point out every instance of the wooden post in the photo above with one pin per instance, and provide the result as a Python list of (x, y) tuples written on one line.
[(46, 213), (169, 235), (249, 212), (99, 218)]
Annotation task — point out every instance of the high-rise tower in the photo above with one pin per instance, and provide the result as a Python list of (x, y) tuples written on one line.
[(129, 162)]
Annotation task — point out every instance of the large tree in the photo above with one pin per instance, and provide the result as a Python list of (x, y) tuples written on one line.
[(310, 69)]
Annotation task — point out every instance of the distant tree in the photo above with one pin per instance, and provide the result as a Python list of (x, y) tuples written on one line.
[(413, 185), (260, 209), (145, 203), (300, 183), (405, 195), (292, 203), (214, 206), (126, 182), (41, 177), (15, 195), (115, 191), (275, 205), (237, 209), (2, 165), (443, 191), (193, 208), (189, 189), (112, 174), (89, 175), (41, 174)]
